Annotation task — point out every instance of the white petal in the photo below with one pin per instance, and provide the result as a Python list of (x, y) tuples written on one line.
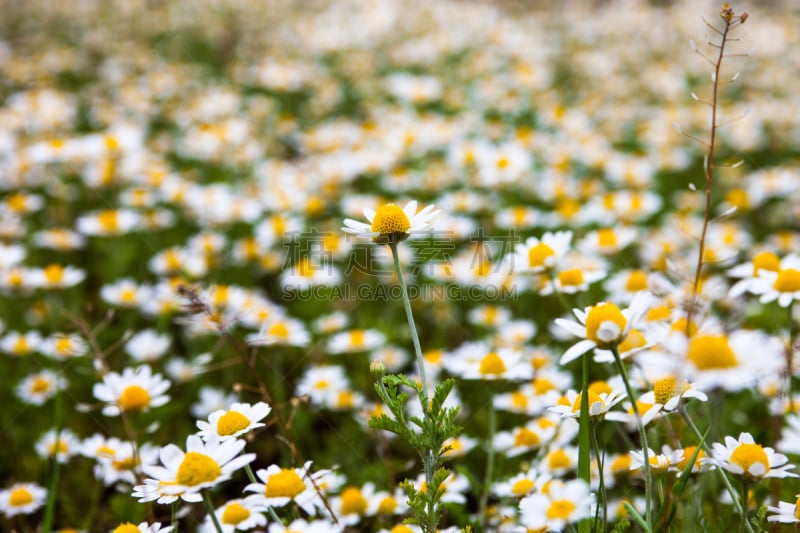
[(576, 351)]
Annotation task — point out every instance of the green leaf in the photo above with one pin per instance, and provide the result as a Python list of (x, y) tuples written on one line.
[(633, 513)]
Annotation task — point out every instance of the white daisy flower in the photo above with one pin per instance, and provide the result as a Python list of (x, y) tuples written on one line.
[(783, 285), (603, 325), (355, 340), (562, 504), (599, 404), (133, 390), (283, 330), (743, 457), (785, 512), (279, 486), (234, 422), (390, 224), (22, 498), (184, 474), (147, 345), (39, 387), (235, 515), (537, 255), (62, 448), (670, 394), (143, 527)]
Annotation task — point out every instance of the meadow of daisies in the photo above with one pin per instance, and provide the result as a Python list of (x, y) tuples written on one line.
[(242, 243)]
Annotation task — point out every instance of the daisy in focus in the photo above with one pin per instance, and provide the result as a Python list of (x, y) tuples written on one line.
[(279, 486), (602, 326), (670, 394), (390, 224), (134, 390), (184, 474), (743, 457), (241, 418)]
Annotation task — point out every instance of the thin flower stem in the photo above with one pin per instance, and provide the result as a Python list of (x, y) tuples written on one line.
[(601, 487), (745, 506), (487, 483), (411, 325), (728, 485), (211, 511), (49, 512), (709, 175), (584, 444), (174, 520), (648, 478), (428, 455), (790, 357), (250, 475)]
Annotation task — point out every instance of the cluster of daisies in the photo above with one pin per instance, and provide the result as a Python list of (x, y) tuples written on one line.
[(196, 268)]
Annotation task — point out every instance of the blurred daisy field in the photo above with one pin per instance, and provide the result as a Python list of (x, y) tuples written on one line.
[(256, 257)]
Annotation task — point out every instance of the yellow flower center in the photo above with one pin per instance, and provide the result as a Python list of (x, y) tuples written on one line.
[(542, 385), (606, 237), (634, 340), (637, 281), (526, 437), (345, 399), (40, 385), (127, 527), (231, 423), (390, 219), (667, 388), (593, 398), (108, 220), (737, 198), (54, 273), (492, 364), (621, 465), (788, 280), (711, 351), (16, 201), (285, 484), (519, 400), (124, 464), (280, 330), (797, 508), (64, 345), (128, 295), (537, 256), (387, 505), (680, 326), (21, 346), (401, 528), (572, 277), (502, 162), (357, 338), (353, 502), (560, 509), (600, 387), (305, 268), (523, 486), (235, 513), (602, 316), (688, 452), (559, 459), (19, 497), (766, 261), (746, 455), (197, 468), (659, 312), (482, 269), (134, 398)]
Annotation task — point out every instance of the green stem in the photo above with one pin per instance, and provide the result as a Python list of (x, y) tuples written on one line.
[(725, 479), (250, 475), (174, 520), (602, 487), (584, 444), (411, 325), (790, 358), (648, 479), (745, 506), (489, 464), (211, 511), (49, 512)]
